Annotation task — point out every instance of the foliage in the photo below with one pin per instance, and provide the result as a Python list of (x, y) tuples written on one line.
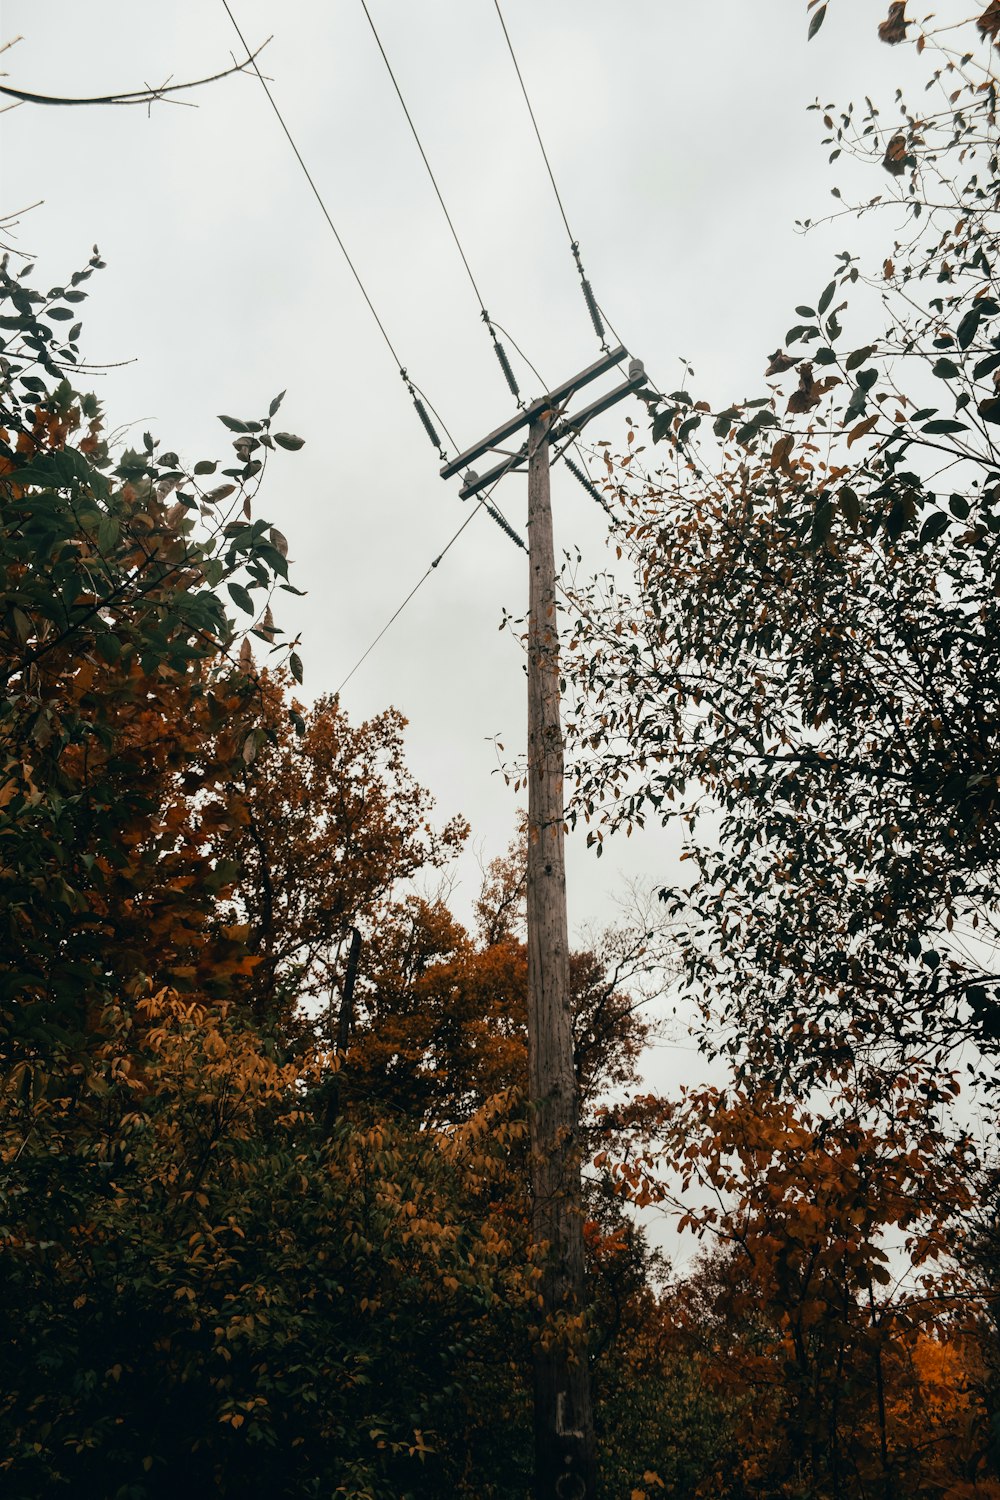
[(442, 1024), (333, 825), (832, 1324), (202, 1283), (806, 671), (117, 660)]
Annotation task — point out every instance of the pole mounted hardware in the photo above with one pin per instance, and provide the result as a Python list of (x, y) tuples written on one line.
[(564, 426)]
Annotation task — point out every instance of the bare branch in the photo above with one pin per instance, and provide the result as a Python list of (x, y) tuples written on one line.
[(137, 96)]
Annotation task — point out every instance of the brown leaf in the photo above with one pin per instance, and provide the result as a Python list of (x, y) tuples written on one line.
[(893, 28), (780, 452), (989, 21), (780, 362), (862, 429), (989, 410), (808, 394), (894, 159), (888, 270)]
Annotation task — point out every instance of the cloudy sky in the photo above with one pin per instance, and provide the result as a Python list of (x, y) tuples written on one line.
[(680, 140)]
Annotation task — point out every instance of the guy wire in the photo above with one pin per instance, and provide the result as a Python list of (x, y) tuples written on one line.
[(483, 501)]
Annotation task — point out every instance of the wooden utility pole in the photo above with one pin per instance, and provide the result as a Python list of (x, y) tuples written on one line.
[(565, 1450), (565, 1457)]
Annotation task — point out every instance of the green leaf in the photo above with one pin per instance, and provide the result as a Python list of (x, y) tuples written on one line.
[(967, 328), (816, 23), (295, 666), (984, 367), (288, 440), (858, 357), (945, 369), (61, 314), (234, 424), (275, 404), (936, 525), (826, 298), (240, 596), (945, 424), (850, 505), (822, 521), (662, 423), (206, 466), (109, 646)]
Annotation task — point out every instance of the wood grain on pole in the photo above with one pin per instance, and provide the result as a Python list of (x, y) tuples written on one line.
[(565, 1464)]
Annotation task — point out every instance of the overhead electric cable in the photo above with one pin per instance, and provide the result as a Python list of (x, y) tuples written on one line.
[(498, 348), (421, 412), (500, 520), (574, 244)]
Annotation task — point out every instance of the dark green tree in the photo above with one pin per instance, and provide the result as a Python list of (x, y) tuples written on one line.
[(806, 670)]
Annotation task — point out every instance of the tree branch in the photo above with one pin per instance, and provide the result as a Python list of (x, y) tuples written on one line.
[(136, 96)]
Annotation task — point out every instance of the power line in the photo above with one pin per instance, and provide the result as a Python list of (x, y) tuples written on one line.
[(315, 190), (423, 153), (498, 348), (415, 395), (574, 244), (531, 112), (501, 521)]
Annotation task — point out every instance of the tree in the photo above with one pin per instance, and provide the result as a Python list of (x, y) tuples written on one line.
[(333, 825), (807, 666), (442, 1018), (119, 662), (205, 1279), (203, 1283), (832, 1316)]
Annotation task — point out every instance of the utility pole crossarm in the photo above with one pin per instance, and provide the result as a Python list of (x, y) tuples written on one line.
[(571, 425), (551, 399)]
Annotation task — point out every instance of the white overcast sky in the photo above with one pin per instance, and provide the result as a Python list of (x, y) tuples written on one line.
[(680, 140)]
